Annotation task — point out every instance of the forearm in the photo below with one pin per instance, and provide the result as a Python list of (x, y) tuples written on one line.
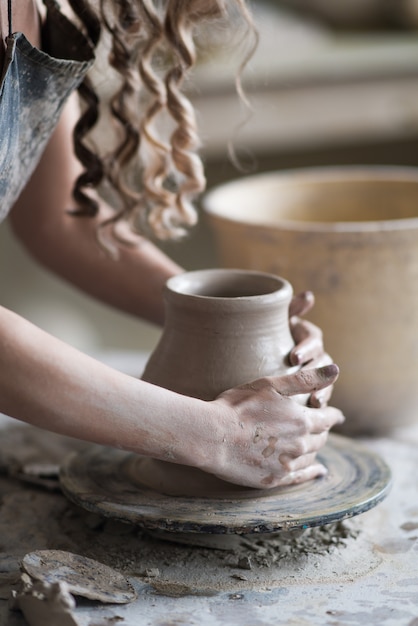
[(51, 385), (254, 435), (68, 246)]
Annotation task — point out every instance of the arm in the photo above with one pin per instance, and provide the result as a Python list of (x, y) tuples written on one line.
[(67, 245), (51, 385)]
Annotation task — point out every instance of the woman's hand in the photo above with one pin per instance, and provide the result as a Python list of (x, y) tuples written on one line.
[(269, 439), (309, 347)]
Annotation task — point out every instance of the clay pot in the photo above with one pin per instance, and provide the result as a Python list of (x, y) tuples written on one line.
[(223, 328), (351, 236)]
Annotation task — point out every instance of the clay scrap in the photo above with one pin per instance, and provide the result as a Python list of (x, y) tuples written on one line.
[(51, 578), (43, 475), (82, 576), (45, 604)]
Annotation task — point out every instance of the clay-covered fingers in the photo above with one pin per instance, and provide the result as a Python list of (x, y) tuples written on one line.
[(303, 453), (300, 462), (315, 470), (324, 419), (307, 336), (306, 380), (270, 438), (318, 382), (308, 341), (320, 398)]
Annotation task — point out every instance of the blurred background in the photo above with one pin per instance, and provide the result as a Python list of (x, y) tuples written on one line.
[(331, 83)]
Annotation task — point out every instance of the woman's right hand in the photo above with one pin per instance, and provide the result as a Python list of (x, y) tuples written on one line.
[(268, 439)]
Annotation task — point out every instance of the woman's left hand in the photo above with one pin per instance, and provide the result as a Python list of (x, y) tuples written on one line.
[(309, 347)]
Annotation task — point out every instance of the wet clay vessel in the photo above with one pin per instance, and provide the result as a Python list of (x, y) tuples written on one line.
[(223, 328)]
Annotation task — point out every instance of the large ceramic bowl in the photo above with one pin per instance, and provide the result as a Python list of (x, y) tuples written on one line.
[(349, 234)]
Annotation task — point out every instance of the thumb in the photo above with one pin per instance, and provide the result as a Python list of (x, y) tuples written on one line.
[(306, 380)]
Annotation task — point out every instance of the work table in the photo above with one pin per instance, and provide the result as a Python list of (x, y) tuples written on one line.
[(362, 570)]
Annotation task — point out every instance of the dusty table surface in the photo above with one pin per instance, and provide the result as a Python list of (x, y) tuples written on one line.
[(363, 570)]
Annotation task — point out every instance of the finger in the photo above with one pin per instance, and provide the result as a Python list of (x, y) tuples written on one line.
[(308, 340), (323, 359), (303, 330), (320, 399), (306, 380), (324, 419), (303, 475), (301, 303), (302, 448), (300, 462)]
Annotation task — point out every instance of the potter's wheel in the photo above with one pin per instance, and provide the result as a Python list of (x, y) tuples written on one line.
[(102, 481)]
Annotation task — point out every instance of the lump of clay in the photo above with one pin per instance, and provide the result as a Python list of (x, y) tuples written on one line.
[(82, 576), (45, 604)]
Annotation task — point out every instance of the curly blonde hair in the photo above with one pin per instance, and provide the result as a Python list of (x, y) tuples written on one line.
[(155, 120)]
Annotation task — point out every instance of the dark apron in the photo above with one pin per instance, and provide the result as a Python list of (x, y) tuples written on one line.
[(35, 85)]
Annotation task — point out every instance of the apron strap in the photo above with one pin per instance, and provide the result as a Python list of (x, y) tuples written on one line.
[(9, 15)]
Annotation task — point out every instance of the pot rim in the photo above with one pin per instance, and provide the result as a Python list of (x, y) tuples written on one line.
[(344, 173), (173, 286)]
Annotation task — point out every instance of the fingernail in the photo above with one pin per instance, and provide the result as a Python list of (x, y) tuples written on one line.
[(328, 371)]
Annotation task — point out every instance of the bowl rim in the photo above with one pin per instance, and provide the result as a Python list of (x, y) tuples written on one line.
[(345, 173)]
